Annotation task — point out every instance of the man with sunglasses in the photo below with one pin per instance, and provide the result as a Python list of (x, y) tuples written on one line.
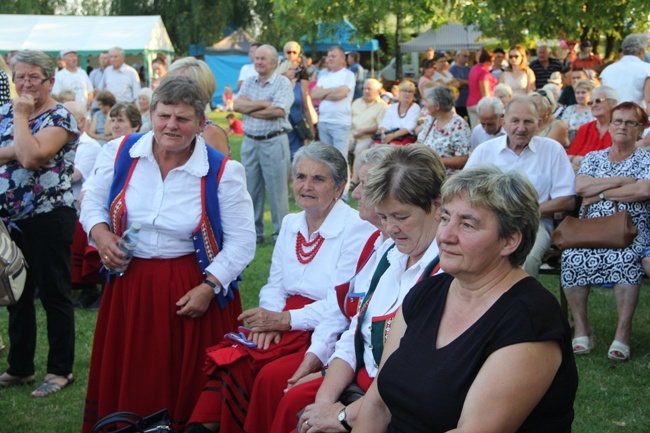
[(630, 76)]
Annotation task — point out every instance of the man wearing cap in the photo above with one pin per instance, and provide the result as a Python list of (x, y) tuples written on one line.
[(630, 76), (73, 78), (120, 79), (544, 66), (585, 58)]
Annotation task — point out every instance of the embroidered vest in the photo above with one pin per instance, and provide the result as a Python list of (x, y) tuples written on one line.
[(208, 235), (348, 300), (380, 326)]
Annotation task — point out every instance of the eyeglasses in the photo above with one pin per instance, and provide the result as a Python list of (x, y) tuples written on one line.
[(516, 56), (291, 52), (597, 101), (628, 123), (33, 80)]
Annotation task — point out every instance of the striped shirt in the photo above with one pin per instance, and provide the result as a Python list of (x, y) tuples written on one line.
[(276, 89)]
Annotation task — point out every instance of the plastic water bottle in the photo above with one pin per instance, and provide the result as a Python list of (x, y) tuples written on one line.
[(127, 244)]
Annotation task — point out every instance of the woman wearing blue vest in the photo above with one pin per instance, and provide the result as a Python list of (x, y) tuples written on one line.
[(179, 293)]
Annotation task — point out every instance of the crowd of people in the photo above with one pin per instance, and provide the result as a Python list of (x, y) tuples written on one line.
[(457, 178)]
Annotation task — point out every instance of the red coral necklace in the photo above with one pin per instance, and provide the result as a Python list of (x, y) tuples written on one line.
[(306, 251)]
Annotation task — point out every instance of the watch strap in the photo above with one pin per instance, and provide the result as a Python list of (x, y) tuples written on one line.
[(210, 283), (343, 422)]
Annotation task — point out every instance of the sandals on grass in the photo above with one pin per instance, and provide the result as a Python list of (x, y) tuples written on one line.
[(583, 345), (6, 380), (619, 351), (49, 386)]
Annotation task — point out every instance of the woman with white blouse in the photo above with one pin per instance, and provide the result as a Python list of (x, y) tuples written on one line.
[(316, 250), (400, 119), (179, 292)]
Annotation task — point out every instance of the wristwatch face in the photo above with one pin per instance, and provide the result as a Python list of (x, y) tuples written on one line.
[(342, 415)]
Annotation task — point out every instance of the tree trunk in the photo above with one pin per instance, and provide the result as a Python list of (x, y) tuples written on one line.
[(399, 74)]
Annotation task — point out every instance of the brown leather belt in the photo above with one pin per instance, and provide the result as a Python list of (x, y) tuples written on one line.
[(266, 136)]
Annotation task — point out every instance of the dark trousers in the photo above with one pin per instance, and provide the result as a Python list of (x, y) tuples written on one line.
[(45, 241)]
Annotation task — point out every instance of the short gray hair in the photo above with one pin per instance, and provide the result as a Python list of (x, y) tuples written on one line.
[(375, 83), (178, 89), (503, 87), (119, 50), (441, 95), (411, 174), (609, 92), (35, 58), (634, 43), (509, 196), (374, 155), (325, 154), (520, 99), (492, 103), (274, 53)]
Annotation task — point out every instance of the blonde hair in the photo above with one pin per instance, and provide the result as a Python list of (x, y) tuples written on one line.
[(199, 71)]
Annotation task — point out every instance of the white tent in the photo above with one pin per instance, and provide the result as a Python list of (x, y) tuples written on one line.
[(136, 35), (449, 37)]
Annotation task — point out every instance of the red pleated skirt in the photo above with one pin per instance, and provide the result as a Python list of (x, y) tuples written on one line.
[(85, 260), (145, 357)]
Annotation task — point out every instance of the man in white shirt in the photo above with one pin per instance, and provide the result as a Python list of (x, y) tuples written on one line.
[(335, 90), (542, 160), (490, 117), (630, 76), (73, 78), (249, 69), (120, 79)]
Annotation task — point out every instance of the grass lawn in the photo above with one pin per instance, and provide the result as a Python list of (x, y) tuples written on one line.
[(612, 397)]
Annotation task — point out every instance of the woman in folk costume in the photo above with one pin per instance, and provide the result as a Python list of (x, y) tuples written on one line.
[(179, 292), (316, 249), (404, 189)]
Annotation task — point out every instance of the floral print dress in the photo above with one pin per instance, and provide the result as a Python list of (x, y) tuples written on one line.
[(452, 140), (25, 193), (575, 119)]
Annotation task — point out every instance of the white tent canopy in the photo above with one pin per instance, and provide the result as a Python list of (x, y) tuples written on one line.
[(86, 35), (141, 37), (449, 37)]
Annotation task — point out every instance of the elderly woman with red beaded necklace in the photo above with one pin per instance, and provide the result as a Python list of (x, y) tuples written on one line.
[(316, 250)]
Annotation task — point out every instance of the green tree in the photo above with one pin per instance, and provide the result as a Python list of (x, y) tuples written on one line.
[(365, 15), (35, 7), (517, 22), (190, 21)]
